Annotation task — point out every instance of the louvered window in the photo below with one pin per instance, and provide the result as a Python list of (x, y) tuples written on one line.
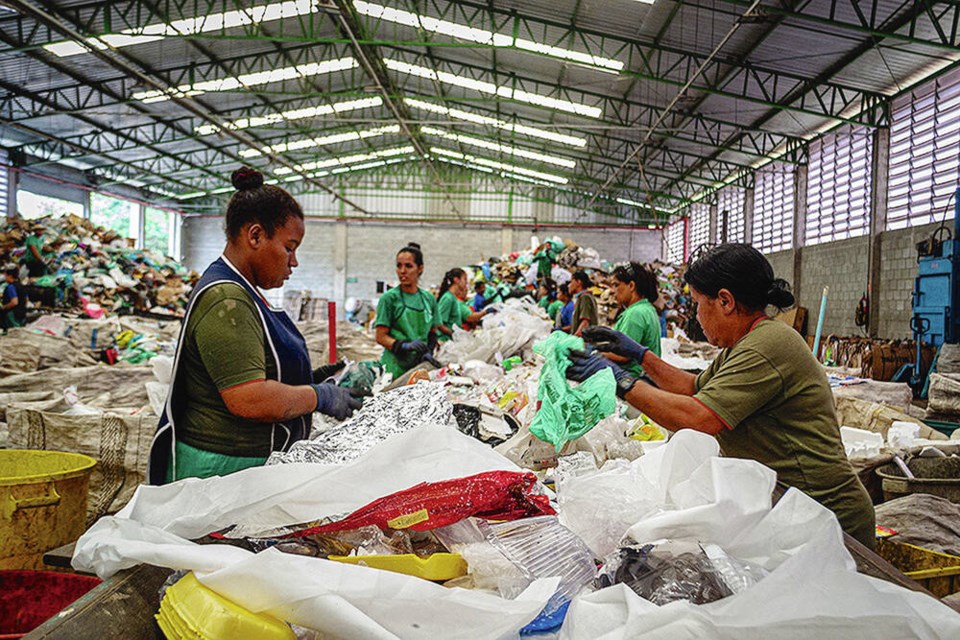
[(924, 153), (699, 226), (4, 185), (838, 185), (732, 201), (676, 241), (773, 208)]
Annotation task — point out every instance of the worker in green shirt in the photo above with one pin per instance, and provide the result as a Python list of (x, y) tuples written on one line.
[(635, 293), (547, 292), (407, 316), (765, 397), (33, 257), (242, 385), (454, 312)]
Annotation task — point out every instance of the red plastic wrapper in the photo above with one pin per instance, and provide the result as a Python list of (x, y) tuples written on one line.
[(493, 495)]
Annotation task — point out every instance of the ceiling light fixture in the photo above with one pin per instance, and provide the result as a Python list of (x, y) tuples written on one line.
[(492, 89)]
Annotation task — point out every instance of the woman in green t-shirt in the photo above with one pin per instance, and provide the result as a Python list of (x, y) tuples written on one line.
[(454, 312), (407, 316), (636, 292), (547, 292), (765, 397)]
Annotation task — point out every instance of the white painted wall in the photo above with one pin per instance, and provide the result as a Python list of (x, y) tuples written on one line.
[(340, 259)]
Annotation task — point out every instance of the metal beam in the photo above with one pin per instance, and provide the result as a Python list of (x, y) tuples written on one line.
[(874, 21), (373, 65), (129, 68)]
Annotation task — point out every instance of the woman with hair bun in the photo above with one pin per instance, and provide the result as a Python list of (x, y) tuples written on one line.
[(242, 386), (407, 316), (765, 397)]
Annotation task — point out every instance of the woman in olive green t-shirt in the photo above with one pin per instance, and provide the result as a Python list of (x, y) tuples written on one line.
[(765, 397)]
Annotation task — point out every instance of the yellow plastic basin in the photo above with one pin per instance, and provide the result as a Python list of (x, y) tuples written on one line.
[(43, 503)]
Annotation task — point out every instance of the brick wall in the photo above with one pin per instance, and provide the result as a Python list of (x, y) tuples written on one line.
[(782, 263), (898, 269), (843, 266)]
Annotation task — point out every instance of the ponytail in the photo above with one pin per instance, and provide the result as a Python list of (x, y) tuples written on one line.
[(448, 279)]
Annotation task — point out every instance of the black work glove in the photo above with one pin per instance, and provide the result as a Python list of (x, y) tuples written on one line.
[(412, 349), (335, 401), (583, 365), (323, 372)]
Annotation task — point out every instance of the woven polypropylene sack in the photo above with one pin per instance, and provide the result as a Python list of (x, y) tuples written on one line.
[(117, 440)]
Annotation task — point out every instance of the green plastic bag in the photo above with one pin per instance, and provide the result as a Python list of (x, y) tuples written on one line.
[(566, 412)]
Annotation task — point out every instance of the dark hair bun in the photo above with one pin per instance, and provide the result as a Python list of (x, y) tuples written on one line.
[(779, 294), (413, 245), (246, 178)]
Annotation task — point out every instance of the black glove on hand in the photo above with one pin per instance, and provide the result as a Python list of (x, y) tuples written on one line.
[(583, 365), (411, 349), (335, 401), (612, 341), (323, 372)]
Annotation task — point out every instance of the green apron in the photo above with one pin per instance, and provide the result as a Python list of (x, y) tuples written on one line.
[(412, 323), (197, 463)]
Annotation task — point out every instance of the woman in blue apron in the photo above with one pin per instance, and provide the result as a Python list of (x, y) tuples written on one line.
[(407, 316), (242, 385)]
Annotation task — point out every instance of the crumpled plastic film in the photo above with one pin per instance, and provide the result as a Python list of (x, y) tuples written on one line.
[(382, 416), (511, 332), (665, 572), (566, 412)]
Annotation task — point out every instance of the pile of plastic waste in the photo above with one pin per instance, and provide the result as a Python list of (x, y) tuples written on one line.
[(93, 271)]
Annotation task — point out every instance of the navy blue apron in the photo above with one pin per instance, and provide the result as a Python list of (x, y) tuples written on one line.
[(286, 346)]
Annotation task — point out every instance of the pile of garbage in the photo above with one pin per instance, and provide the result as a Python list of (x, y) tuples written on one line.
[(431, 533), (93, 271)]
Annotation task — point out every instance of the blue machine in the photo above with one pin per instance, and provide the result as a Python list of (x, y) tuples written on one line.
[(936, 295)]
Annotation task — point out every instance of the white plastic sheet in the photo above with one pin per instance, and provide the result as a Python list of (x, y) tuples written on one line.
[(336, 599), (510, 332), (813, 588)]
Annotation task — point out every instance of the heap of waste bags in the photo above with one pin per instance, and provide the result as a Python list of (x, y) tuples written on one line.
[(94, 271), (431, 533)]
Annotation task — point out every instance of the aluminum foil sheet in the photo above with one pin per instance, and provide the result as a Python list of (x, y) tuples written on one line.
[(382, 416)]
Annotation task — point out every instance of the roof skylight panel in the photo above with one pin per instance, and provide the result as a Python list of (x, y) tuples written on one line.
[(476, 118), (493, 164), (293, 114), (495, 146), (185, 27), (258, 78), (320, 141), (492, 89), (482, 36)]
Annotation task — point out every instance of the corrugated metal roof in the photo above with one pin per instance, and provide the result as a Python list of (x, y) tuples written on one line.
[(781, 75)]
